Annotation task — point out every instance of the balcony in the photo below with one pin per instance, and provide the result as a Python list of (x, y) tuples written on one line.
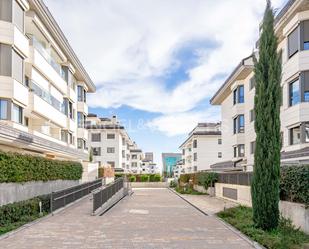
[(82, 133), (42, 103), (47, 65), (12, 89), (12, 35), (295, 114)]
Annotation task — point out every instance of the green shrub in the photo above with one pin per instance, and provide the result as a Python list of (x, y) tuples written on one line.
[(118, 175), (16, 214), (294, 184), (283, 237), (23, 168), (173, 184), (144, 178), (132, 178), (156, 178), (188, 191), (207, 179)]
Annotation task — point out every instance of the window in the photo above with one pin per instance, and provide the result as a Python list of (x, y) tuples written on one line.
[(17, 67), (111, 163), (239, 95), (195, 168), (252, 83), (3, 109), (195, 157), (71, 138), (195, 143), (80, 120), (96, 137), (81, 143), (293, 41), (220, 141), (306, 132), (239, 150), (219, 154), (110, 150), (134, 164), (305, 35), (17, 114), (252, 115), (239, 124), (5, 59), (123, 154), (26, 121), (18, 14), (252, 147), (295, 135), (96, 151), (64, 136), (81, 94), (134, 156), (294, 93), (123, 141), (110, 136)]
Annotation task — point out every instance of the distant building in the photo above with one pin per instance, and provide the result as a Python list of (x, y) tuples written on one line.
[(178, 169), (169, 161), (148, 167), (202, 147), (149, 156)]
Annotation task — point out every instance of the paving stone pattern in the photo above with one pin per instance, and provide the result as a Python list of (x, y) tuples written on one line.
[(150, 218)]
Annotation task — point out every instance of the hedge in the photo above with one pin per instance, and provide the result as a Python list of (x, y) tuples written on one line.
[(140, 177), (23, 168), (18, 213), (294, 184)]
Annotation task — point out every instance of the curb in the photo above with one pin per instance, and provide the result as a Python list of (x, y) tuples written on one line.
[(230, 227)]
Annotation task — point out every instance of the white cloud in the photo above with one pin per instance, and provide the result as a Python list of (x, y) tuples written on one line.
[(127, 45), (181, 123)]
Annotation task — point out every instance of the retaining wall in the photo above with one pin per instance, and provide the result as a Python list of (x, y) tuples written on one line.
[(13, 192), (149, 184)]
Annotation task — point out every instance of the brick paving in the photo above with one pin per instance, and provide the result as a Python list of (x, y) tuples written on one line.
[(150, 218)]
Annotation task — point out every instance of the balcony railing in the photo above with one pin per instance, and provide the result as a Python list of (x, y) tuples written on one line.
[(43, 94), (47, 56)]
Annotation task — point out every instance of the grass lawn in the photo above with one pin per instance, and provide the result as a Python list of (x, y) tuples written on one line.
[(188, 191), (284, 237)]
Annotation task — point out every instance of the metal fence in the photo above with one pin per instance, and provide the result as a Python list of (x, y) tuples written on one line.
[(63, 197), (238, 178), (102, 195)]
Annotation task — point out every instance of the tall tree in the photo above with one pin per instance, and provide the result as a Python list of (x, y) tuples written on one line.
[(266, 172)]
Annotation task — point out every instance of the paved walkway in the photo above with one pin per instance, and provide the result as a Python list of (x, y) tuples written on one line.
[(151, 218)]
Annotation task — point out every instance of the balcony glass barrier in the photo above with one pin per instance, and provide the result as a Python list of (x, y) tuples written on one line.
[(46, 96), (47, 56)]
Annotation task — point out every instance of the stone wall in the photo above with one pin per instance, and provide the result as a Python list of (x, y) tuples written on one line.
[(13, 192)]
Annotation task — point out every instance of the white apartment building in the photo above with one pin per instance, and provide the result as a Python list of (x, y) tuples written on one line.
[(149, 167), (178, 169), (43, 85), (136, 157), (236, 96), (110, 142), (202, 148)]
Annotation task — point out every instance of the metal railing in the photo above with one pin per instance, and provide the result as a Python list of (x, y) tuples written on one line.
[(238, 178), (64, 197), (105, 193)]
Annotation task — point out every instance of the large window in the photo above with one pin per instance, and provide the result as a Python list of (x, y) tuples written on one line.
[(239, 95), (110, 150), (239, 150), (5, 60), (3, 109), (81, 120), (96, 137), (17, 114), (294, 93), (293, 42), (96, 151), (239, 124), (81, 94), (6, 10), (295, 135), (17, 67), (110, 136), (18, 14)]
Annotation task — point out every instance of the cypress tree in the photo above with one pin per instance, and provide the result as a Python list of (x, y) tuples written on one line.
[(266, 172)]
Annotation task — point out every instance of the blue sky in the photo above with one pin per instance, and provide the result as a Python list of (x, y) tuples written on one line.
[(157, 63)]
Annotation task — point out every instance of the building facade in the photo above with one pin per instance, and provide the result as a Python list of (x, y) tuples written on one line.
[(109, 142), (236, 96), (43, 85), (169, 161), (202, 148)]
